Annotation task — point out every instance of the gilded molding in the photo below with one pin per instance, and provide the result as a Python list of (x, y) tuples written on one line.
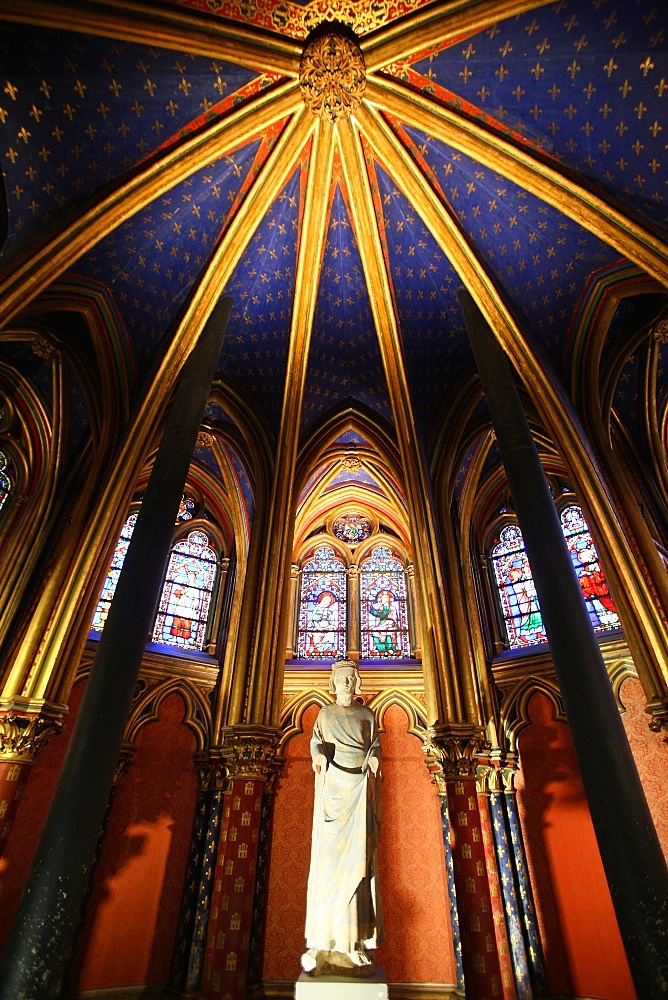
[(609, 224), (440, 684), (23, 736)]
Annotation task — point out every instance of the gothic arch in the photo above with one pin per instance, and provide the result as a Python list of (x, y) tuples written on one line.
[(197, 716), (515, 707)]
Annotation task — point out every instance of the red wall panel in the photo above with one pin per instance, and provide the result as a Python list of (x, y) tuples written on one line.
[(131, 918), (583, 949)]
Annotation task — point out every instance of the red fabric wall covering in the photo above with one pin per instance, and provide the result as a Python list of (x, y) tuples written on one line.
[(24, 835), (418, 947), (650, 751), (584, 955), (131, 918)]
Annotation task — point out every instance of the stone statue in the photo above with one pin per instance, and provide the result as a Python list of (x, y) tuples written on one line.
[(344, 922)]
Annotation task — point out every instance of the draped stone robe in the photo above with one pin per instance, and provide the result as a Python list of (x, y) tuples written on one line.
[(343, 910)]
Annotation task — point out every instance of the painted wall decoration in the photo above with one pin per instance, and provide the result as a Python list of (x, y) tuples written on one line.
[(322, 610), (384, 614), (186, 596)]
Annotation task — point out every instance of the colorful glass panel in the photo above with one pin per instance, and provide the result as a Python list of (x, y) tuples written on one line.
[(519, 601), (322, 608), (186, 595), (109, 586), (383, 612), (5, 481), (588, 569), (352, 529), (186, 508)]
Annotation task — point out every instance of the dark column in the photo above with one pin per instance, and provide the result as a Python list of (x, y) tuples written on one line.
[(41, 939), (630, 849)]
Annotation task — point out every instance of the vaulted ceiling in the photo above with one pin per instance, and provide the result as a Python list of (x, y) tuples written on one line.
[(154, 152)]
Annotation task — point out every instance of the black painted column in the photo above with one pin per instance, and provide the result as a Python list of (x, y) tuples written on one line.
[(630, 850), (41, 939)]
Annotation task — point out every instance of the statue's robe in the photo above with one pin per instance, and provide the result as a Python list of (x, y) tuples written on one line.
[(343, 910)]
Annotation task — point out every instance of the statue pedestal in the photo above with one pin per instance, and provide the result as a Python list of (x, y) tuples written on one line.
[(342, 987)]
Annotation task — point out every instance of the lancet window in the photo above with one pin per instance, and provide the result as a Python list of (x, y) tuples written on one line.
[(322, 610), (186, 600), (109, 586), (516, 590), (588, 569), (340, 610), (384, 607), (519, 602), (186, 596)]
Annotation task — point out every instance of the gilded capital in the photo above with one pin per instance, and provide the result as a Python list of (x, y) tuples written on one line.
[(23, 736), (332, 76), (452, 751), (251, 752), (212, 770)]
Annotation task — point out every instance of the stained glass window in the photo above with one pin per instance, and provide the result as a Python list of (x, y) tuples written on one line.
[(588, 569), (519, 602), (109, 587), (322, 609), (384, 614), (352, 529), (5, 481), (186, 508), (186, 595)]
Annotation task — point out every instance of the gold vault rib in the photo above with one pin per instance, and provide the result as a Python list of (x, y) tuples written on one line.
[(169, 27), (520, 166), (266, 188)]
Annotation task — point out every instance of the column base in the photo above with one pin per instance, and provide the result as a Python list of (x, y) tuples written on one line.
[(342, 987)]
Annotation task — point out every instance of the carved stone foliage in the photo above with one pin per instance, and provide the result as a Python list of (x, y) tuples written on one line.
[(250, 752), (22, 737), (452, 752), (332, 76)]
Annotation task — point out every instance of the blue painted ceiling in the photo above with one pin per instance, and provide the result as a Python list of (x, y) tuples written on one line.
[(583, 86)]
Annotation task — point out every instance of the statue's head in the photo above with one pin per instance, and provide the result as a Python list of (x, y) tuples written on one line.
[(345, 665)]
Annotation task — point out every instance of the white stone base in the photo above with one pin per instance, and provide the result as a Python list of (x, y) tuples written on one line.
[(342, 987)]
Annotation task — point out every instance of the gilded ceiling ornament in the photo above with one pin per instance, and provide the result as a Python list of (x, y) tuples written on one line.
[(204, 439), (41, 348), (332, 76), (660, 332)]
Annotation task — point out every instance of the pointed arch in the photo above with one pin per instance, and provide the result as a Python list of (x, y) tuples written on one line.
[(197, 718)]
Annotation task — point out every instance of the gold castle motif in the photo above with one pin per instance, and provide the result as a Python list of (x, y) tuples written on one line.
[(332, 76)]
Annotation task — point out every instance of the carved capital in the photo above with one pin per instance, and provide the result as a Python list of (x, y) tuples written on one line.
[(23, 736), (212, 770), (657, 709), (251, 752), (332, 76), (452, 751), (125, 760)]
